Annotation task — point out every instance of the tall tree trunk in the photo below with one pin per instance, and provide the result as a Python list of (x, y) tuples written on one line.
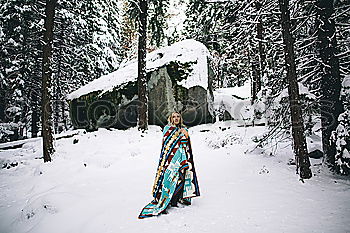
[(330, 103), (254, 62), (35, 113), (63, 116), (300, 149), (3, 102), (47, 127), (257, 56), (259, 35), (142, 75)]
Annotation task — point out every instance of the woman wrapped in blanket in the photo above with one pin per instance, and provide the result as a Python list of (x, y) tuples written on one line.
[(176, 179)]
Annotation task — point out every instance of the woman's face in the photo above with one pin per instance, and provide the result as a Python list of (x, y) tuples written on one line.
[(176, 118)]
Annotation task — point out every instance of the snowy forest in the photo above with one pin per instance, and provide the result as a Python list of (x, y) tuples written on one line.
[(86, 88)]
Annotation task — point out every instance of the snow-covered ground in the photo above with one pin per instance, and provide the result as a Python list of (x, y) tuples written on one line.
[(101, 183)]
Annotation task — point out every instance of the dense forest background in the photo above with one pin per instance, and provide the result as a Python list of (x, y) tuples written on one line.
[(94, 37)]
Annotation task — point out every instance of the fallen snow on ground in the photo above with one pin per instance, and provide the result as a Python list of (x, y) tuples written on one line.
[(101, 183)]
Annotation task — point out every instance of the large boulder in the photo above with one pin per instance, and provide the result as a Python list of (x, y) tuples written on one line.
[(179, 78)]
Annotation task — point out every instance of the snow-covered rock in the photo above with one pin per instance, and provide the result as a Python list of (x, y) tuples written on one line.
[(186, 51), (233, 103), (179, 78)]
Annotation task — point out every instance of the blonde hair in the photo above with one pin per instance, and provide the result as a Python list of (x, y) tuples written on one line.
[(171, 122)]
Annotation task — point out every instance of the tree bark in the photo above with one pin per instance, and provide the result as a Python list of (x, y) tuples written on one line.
[(259, 35), (300, 149), (257, 60), (47, 124), (330, 103), (142, 75), (35, 105)]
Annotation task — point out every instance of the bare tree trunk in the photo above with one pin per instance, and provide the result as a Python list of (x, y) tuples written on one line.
[(35, 113), (257, 56), (142, 75), (300, 149), (63, 116), (330, 103), (47, 127), (254, 62), (259, 35)]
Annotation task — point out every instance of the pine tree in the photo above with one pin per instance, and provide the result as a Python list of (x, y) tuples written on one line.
[(20, 48), (342, 24), (330, 103), (128, 39), (86, 46), (157, 21), (300, 148), (140, 12)]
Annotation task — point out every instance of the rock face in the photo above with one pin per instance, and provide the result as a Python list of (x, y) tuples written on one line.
[(316, 154), (160, 96), (171, 86), (166, 96)]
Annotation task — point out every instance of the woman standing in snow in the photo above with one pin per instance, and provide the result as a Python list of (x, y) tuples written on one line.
[(176, 179)]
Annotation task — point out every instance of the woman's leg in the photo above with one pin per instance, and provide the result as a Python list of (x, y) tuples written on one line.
[(179, 189)]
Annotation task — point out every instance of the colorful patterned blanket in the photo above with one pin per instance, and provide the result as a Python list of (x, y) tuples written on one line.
[(175, 157)]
